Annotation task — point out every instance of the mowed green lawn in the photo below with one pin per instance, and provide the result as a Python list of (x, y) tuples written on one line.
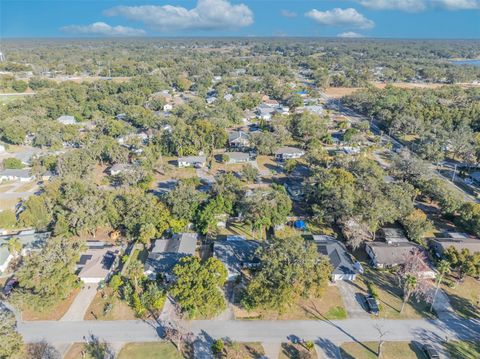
[(390, 350), (154, 350)]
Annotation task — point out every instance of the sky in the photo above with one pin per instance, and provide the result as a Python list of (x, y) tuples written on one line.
[(457, 19)]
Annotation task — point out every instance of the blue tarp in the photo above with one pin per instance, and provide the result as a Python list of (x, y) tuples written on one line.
[(299, 225)]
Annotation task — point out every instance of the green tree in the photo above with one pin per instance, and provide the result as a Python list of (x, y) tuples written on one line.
[(218, 346), (416, 224), (12, 341), (48, 276), (12, 163), (249, 173), (197, 289), (19, 86), (183, 201), (14, 246), (115, 283), (37, 212), (290, 269), (463, 262)]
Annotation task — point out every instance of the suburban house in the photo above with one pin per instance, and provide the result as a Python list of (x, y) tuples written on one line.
[(282, 110), (165, 254), (30, 241), (238, 139), (344, 268), (22, 175), (265, 112), (192, 161), (269, 102), (238, 157), (167, 107), (97, 262), (384, 255), (67, 120), (459, 241), (210, 99), (287, 153), (120, 168), (236, 253), (316, 109)]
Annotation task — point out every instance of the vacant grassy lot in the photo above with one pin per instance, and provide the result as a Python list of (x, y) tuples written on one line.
[(390, 350), (296, 351), (55, 313), (104, 299), (239, 229), (464, 350), (243, 350), (329, 306), (465, 298), (390, 295), (8, 203), (76, 352), (161, 350), (6, 187)]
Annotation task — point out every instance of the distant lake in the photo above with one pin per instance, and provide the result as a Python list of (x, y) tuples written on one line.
[(466, 62)]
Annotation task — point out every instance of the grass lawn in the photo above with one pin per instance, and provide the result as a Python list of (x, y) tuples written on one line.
[(8, 203), (390, 295), (120, 309), (296, 351), (465, 298), (6, 99), (239, 229), (27, 187), (75, 352), (55, 313), (154, 350), (5, 188), (390, 350), (329, 306), (464, 350), (243, 350)]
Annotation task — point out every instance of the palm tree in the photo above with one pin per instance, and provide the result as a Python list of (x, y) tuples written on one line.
[(409, 286), (443, 269)]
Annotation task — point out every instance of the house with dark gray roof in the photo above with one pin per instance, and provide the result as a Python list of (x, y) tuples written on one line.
[(344, 267), (236, 253), (166, 253), (238, 157), (459, 241), (238, 139), (384, 255)]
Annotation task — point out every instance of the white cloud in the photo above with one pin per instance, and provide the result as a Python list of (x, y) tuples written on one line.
[(404, 5), (103, 29), (288, 13), (207, 15), (350, 35), (341, 17), (420, 5)]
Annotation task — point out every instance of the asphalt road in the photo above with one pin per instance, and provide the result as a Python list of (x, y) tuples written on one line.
[(260, 331)]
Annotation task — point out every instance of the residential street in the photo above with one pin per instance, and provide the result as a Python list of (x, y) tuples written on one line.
[(259, 331)]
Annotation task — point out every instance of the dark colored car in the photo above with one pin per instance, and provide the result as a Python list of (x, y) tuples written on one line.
[(12, 283), (431, 352), (372, 304)]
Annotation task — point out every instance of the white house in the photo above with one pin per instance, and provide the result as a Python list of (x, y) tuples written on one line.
[(192, 161), (287, 153), (22, 175)]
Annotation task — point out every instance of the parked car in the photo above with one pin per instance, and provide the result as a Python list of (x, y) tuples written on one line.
[(431, 352), (11, 284), (372, 305)]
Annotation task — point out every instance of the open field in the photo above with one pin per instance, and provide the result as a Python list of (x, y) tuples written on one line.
[(390, 295), (55, 313), (464, 350), (329, 306), (120, 310), (149, 351), (465, 298), (8, 203), (296, 351), (390, 350), (243, 350)]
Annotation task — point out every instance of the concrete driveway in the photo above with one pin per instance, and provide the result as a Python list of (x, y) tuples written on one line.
[(352, 297), (80, 305)]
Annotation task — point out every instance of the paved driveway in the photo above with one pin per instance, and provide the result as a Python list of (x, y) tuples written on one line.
[(352, 297), (82, 301)]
